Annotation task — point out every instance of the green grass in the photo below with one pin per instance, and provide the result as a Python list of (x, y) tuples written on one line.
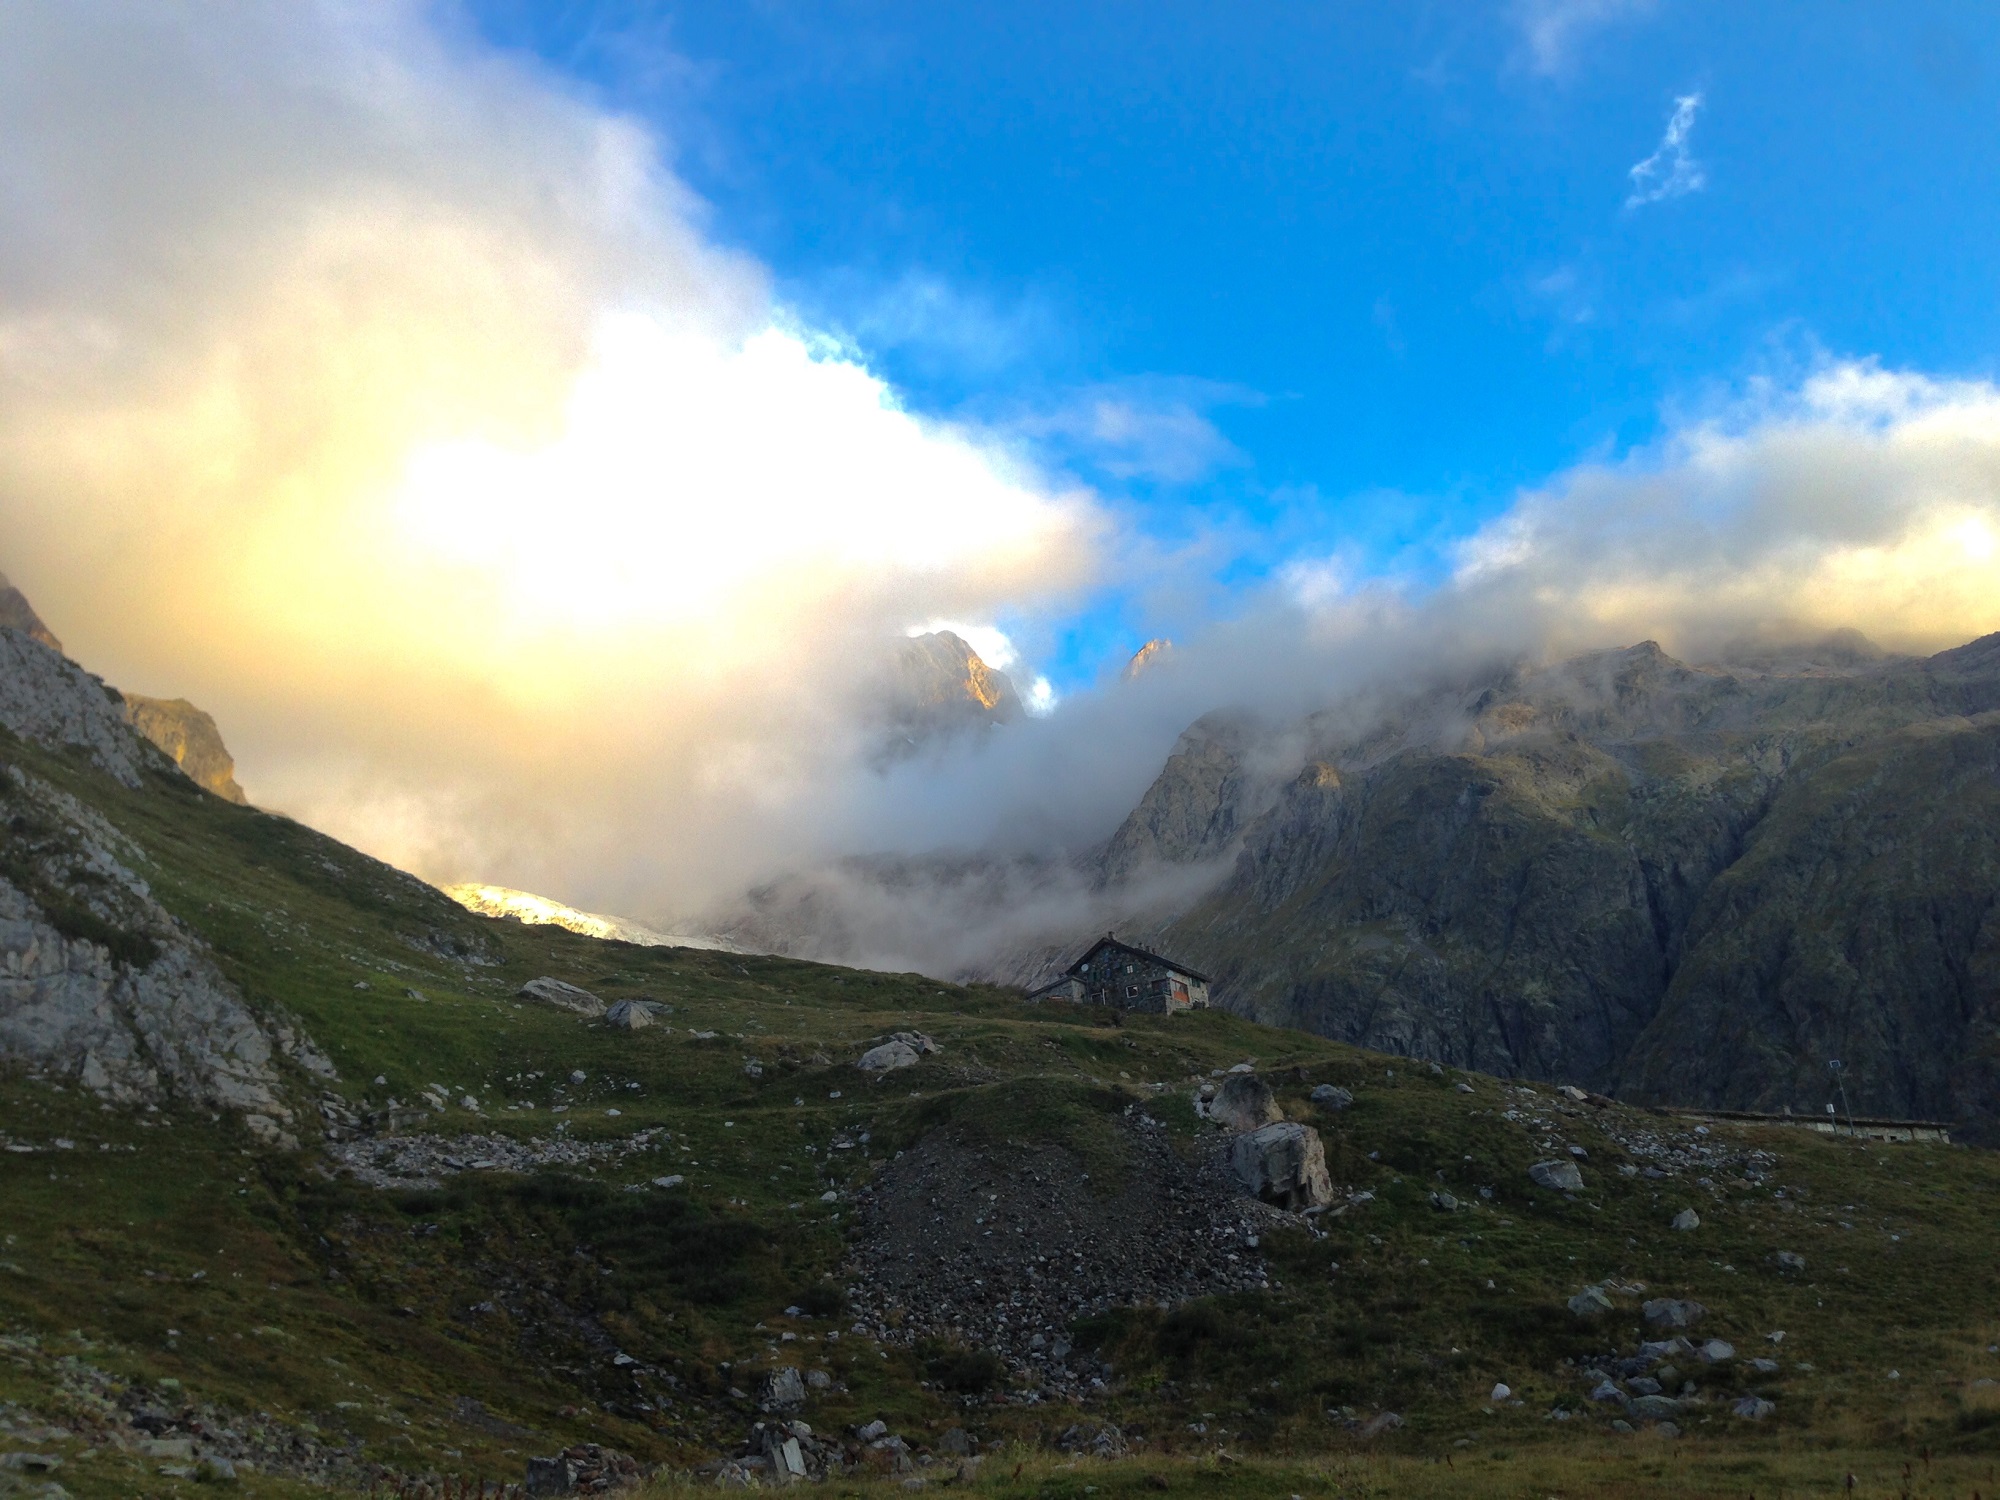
[(360, 1312)]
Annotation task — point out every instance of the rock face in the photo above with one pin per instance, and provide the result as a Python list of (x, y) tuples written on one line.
[(101, 984), (1678, 883), (939, 688), (562, 995), (16, 613), (46, 698), (1195, 808), (1283, 1164), (190, 737)]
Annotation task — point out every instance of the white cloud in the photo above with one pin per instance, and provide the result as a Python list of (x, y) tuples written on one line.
[(1670, 172), (382, 395), (1551, 30), (1151, 429), (993, 644), (1865, 497)]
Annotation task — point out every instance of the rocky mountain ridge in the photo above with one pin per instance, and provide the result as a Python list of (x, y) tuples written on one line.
[(1685, 884), (99, 982)]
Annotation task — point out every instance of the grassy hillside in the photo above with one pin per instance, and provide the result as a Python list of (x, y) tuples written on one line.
[(160, 1262)]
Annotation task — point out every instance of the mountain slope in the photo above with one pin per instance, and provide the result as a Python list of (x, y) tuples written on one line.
[(1615, 871), (491, 1227)]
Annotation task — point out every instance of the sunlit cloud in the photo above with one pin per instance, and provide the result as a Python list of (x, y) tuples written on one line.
[(393, 403)]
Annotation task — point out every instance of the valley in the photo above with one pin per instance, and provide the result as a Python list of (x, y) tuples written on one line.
[(478, 1228)]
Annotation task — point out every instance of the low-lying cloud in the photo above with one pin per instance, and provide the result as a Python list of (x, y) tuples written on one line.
[(396, 404)]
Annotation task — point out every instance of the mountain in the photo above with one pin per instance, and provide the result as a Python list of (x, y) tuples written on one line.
[(317, 1182), (939, 688), (509, 904), (16, 613), (1687, 884), (190, 737), (1681, 883)]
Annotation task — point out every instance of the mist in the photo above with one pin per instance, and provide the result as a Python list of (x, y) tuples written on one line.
[(396, 403)]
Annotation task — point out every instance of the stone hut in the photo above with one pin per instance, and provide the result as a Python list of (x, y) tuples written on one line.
[(1118, 974)]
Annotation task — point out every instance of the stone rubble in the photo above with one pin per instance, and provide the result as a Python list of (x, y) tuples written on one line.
[(1004, 1248), (424, 1161)]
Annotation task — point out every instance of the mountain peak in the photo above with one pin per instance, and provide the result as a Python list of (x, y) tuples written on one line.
[(939, 686), (1148, 656), (16, 613)]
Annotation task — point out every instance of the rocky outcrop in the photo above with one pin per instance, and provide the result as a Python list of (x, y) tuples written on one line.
[(1195, 808), (16, 613), (49, 700), (100, 984), (939, 688), (188, 735), (1683, 883)]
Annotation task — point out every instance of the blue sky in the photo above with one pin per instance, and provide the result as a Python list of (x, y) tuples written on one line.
[(1392, 258)]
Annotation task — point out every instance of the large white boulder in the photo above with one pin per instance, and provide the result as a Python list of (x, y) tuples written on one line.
[(1284, 1164)]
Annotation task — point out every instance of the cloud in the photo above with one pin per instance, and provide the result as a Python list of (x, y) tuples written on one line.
[(1864, 497), (391, 400), (1155, 430), (1670, 172), (1551, 30), (1856, 497)]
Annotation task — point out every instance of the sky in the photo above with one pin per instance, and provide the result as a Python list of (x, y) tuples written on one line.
[(1333, 277), (529, 428)]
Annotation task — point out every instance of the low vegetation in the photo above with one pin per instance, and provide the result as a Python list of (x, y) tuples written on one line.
[(458, 1324)]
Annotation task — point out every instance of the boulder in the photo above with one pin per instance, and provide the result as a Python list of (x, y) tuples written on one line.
[(563, 996), (1284, 1164), (1687, 1219), (782, 1389), (1607, 1390), (1243, 1103), (1381, 1422), (887, 1058), (1790, 1260), (1753, 1408), (1653, 1408), (1717, 1352), (1332, 1096), (1590, 1303), (1673, 1312), (1559, 1176), (628, 1015)]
